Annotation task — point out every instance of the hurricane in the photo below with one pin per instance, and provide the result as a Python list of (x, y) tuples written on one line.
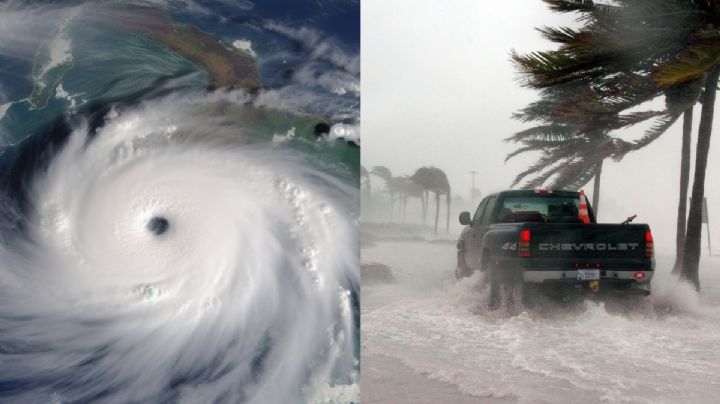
[(177, 241)]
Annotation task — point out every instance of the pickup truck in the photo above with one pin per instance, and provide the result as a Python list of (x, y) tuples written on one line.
[(550, 238)]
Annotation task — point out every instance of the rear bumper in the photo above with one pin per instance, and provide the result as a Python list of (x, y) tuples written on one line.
[(572, 276), (610, 280)]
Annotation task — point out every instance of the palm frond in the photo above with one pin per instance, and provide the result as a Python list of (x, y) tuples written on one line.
[(576, 174), (657, 130), (564, 35), (549, 133), (692, 62), (540, 179), (567, 6)]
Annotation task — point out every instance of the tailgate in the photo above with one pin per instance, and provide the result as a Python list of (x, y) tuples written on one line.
[(611, 245)]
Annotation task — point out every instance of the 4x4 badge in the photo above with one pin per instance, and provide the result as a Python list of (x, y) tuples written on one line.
[(509, 246)]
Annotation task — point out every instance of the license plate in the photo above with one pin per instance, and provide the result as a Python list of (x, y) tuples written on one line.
[(588, 274)]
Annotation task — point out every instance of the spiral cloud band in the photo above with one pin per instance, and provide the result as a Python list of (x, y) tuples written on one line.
[(171, 256)]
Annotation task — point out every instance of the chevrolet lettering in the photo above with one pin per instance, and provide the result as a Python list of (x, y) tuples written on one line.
[(587, 246)]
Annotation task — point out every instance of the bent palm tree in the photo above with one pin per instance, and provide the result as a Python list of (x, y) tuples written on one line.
[(691, 253), (409, 189), (433, 179), (385, 173), (365, 182), (365, 186)]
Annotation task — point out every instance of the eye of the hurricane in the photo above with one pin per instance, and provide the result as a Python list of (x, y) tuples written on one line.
[(158, 225)]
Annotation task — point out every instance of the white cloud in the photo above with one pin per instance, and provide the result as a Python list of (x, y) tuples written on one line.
[(319, 46)]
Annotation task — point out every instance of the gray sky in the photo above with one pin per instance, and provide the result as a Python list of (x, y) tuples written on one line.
[(438, 89)]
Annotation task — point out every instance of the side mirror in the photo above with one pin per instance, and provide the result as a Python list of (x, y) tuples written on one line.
[(465, 218)]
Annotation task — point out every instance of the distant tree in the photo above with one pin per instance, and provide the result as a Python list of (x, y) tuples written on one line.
[(432, 179), (398, 189), (365, 182), (385, 173), (409, 189)]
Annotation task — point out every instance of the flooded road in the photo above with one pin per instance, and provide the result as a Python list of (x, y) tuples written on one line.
[(428, 338)]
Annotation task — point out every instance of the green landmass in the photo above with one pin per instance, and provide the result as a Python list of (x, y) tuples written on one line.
[(263, 122), (226, 67)]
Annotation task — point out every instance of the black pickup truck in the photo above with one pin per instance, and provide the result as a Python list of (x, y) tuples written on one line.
[(551, 239)]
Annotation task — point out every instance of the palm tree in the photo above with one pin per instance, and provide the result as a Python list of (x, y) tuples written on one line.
[(680, 100), (365, 181), (366, 186), (385, 173), (409, 189), (415, 191), (432, 179), (684, 181), (423, 178), (669, 43), (691, 253), (398, 187)]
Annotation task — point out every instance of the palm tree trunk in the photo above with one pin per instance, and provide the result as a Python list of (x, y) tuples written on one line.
[(425, 206), (596, 190), (691, 255), (684, 180), (392, 206), (447, 219), (437, 209)]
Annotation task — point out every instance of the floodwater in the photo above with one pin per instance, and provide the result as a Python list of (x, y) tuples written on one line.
[(427, 338)]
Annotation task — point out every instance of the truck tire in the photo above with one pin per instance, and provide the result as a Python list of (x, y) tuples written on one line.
[(462, 270), (506, 281)]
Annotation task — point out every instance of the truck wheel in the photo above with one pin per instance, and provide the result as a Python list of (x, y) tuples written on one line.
[(507, 281), (462, 270)]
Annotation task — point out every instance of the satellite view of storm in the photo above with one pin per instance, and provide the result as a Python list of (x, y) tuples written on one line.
[(179, 201)]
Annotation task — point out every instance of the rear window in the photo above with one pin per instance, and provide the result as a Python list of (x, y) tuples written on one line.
[(539, 208)]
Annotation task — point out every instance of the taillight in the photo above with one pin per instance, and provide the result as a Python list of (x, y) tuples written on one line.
[(524, 243), (543, 191), (649, 245)]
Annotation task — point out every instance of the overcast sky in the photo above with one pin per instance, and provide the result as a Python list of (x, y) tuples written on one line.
[(438, 89)]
